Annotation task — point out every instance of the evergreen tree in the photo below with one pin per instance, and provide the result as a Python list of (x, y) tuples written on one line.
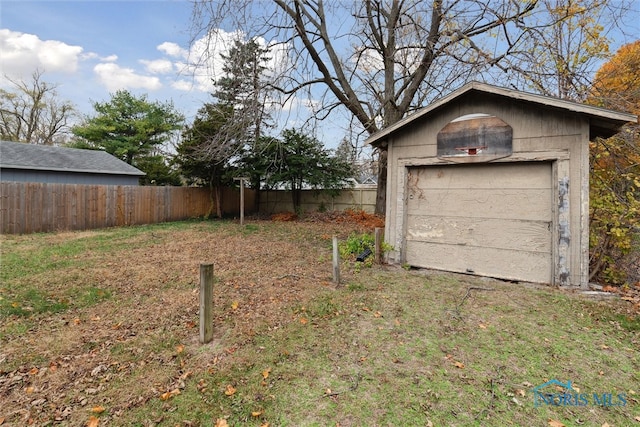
[(130, 128), (299, 161), (199, 155)]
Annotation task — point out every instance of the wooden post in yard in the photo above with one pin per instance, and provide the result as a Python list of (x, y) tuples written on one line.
[(242, 180), (206, 303), (378, 242), (336, 262)]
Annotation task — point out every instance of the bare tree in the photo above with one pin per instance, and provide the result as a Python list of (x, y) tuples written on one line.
[(32, 112), (383, 59), (566, 42)]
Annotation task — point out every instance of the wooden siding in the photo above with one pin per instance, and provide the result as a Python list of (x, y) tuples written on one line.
[(557, 137), (493, 220)]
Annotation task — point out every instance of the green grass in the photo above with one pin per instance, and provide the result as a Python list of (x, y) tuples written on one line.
[(390, 347), (398, 348)]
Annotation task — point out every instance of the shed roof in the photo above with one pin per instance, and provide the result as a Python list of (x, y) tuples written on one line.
[(603, 122), (18, 155)]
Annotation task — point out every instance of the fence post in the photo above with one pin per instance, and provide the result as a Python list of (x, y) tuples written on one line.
[(378, 242), (206, 303), (336, 262)]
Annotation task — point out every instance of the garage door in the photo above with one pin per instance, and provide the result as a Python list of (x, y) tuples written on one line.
[(491, 219)]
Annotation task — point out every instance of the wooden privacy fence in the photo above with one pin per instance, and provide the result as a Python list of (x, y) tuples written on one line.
[(40, 207), (31, 207), (274, 201)]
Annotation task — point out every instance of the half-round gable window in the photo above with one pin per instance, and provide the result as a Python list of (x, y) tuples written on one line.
[(475, 138)]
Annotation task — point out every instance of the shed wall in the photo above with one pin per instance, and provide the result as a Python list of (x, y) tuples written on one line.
[(539, 134)]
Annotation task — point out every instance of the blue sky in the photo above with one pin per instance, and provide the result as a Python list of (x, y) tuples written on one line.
[(91, 48)]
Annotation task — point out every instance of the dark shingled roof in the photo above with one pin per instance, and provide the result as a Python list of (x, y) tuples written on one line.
[(18, 155)]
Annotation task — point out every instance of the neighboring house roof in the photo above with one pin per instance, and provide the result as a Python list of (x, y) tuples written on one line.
[(18, 155), (603, 122)]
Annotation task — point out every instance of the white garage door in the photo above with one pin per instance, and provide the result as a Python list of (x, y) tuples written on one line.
[(491, 219)]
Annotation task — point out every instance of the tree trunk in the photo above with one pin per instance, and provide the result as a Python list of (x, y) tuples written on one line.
[(381, 191), (296, 198), (218, 201)]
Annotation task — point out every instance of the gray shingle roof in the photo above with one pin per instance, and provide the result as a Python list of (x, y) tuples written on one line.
[(18, 155)]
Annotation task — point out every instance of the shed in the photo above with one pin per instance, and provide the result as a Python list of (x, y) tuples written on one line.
[(494, 182), (42, 163)]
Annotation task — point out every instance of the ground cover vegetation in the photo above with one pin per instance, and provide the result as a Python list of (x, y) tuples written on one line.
[(614, 185), (101, 328), (386, 60)]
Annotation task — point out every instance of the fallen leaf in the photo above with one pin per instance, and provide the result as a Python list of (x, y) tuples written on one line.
[(459, 365), (257, 413), (221, 422), (1, 420), (98, 409), (76, 321), (605, 347), (482, 326), (377, 314), (234, 305), (29, 390), (637, 419), (230, 390), (33, 371), (554, 423), (521, 392), (303, 320), (606, 425), (93, 422), (168, 395), (264, 425), (265, 373), (179, 348)]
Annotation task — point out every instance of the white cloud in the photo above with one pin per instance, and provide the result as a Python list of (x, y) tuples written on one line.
[(183, 85), (114, 77), (93, 55), (158, 66), (24, 53), (173, 49)]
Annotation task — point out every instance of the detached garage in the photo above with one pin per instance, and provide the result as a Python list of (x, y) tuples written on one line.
[(494, 182)]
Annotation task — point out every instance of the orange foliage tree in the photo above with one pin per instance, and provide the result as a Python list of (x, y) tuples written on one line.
[(615, 174)]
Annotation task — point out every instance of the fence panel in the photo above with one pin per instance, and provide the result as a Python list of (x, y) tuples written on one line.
[(42, 207), (275, 201)]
